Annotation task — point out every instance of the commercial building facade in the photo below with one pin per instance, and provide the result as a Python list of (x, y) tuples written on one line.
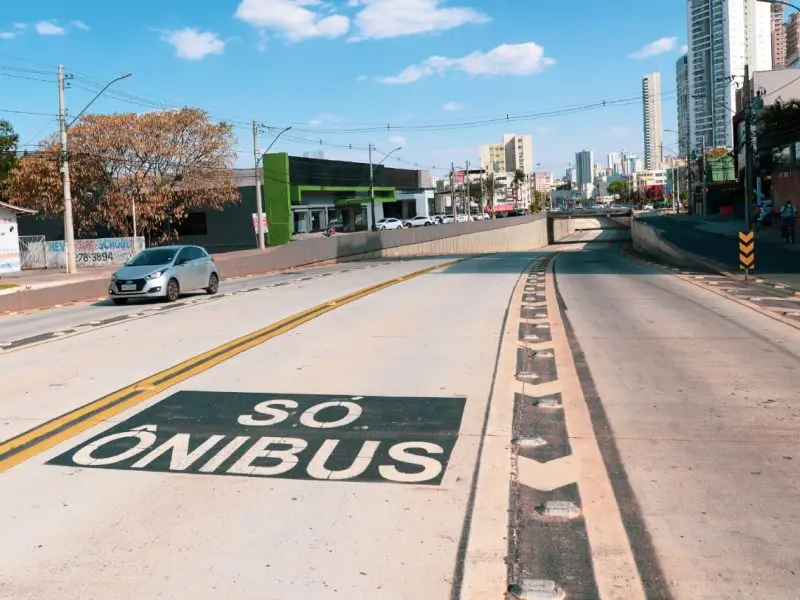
[(303, 195)]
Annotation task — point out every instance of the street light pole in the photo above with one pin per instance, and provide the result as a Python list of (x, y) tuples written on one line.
[(257, 156), (69, 226), (372, 181)]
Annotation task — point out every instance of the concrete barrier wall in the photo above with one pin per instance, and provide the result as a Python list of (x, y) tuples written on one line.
[(477, 237), (646, 240), (562, 228), (515, 236)]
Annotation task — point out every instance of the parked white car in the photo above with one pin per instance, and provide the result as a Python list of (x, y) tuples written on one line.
[(419, 221), (390, 223), (462, 218), (446, 219)]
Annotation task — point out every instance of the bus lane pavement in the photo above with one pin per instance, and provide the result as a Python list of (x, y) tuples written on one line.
[(63, 374), (336, 460)]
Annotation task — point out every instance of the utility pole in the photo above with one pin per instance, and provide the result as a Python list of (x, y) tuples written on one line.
[(467, 198), (371, 189), (259, 202), (704, 205), (483, 195), (69, 229), (748, 142), (453, 191)]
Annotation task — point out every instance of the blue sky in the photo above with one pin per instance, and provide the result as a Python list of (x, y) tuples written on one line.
[(329, 66)]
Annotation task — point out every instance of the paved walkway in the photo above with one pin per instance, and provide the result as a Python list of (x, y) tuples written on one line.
[(776, 261)]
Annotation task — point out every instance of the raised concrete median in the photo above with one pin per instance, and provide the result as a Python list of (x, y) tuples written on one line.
[(514, 234)]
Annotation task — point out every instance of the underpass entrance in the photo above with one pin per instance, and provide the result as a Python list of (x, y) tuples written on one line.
[(595, 229)]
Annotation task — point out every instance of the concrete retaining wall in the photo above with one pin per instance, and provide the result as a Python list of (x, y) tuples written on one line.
[(646, 240)]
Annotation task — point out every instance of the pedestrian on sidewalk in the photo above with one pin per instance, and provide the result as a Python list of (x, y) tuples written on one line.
[(788, 219)]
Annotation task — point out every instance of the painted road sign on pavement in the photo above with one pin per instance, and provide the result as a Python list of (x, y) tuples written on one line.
[(747, 250), (289, 436)]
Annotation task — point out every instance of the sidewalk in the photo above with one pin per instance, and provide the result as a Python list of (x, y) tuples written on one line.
[(716, 239), (35, 279)]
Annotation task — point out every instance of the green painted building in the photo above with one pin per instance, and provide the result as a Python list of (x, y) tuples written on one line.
[(303, 195)]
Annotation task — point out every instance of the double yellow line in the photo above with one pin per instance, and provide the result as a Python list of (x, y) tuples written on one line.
[(49, 434)]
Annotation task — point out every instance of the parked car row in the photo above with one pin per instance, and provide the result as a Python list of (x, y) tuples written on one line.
[(423, 221)]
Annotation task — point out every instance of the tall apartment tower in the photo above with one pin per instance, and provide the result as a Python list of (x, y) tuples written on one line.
[(653, 128), (519, 152), (682, 88), (493, 158), (793, 39), (778, 36), (724, 35), (583, 163)]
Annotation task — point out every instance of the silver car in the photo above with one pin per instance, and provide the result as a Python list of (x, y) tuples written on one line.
[(164, 273)]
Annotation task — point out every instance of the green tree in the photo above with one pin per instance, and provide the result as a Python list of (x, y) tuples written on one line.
[(8, 150), (540, 201), (618, 188)]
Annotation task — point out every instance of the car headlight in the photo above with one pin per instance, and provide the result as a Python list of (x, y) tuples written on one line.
[(113, 279), (154, 275)]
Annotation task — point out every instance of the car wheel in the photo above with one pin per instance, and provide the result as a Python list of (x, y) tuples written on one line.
[(213, 284), (173, 291), (119, 301), (427, 224)]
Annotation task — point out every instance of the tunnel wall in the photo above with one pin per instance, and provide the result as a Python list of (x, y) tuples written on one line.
[(646, 240), (513, 236)]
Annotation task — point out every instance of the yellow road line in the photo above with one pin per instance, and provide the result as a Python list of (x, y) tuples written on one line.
[(49, 434)]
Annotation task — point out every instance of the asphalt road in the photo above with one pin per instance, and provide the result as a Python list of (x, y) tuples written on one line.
[(364, 497), (21, 328), (349, 436), (702, 399)]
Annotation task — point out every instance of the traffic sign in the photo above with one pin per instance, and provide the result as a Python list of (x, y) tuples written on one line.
[(747, 250), (405, 440)]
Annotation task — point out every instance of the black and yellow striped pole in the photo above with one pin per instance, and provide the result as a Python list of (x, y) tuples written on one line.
[(747, 252)]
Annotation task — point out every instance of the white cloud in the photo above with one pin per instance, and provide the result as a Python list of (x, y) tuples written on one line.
[(296, 19), (324, 119), (49, 28), (380, 19), (660, 46), (20, 26), (398, 140), (507, 59), (361, 78), (7, 35), (80, 25), (452, 106), (684, 49), (192, 44)]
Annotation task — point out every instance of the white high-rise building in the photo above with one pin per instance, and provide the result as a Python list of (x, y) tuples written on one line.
[(519, 152), (682, 88), (615, 162), (651, 108), (723, 35)]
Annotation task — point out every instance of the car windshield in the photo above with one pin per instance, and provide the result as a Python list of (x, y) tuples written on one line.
[(152, 258)]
